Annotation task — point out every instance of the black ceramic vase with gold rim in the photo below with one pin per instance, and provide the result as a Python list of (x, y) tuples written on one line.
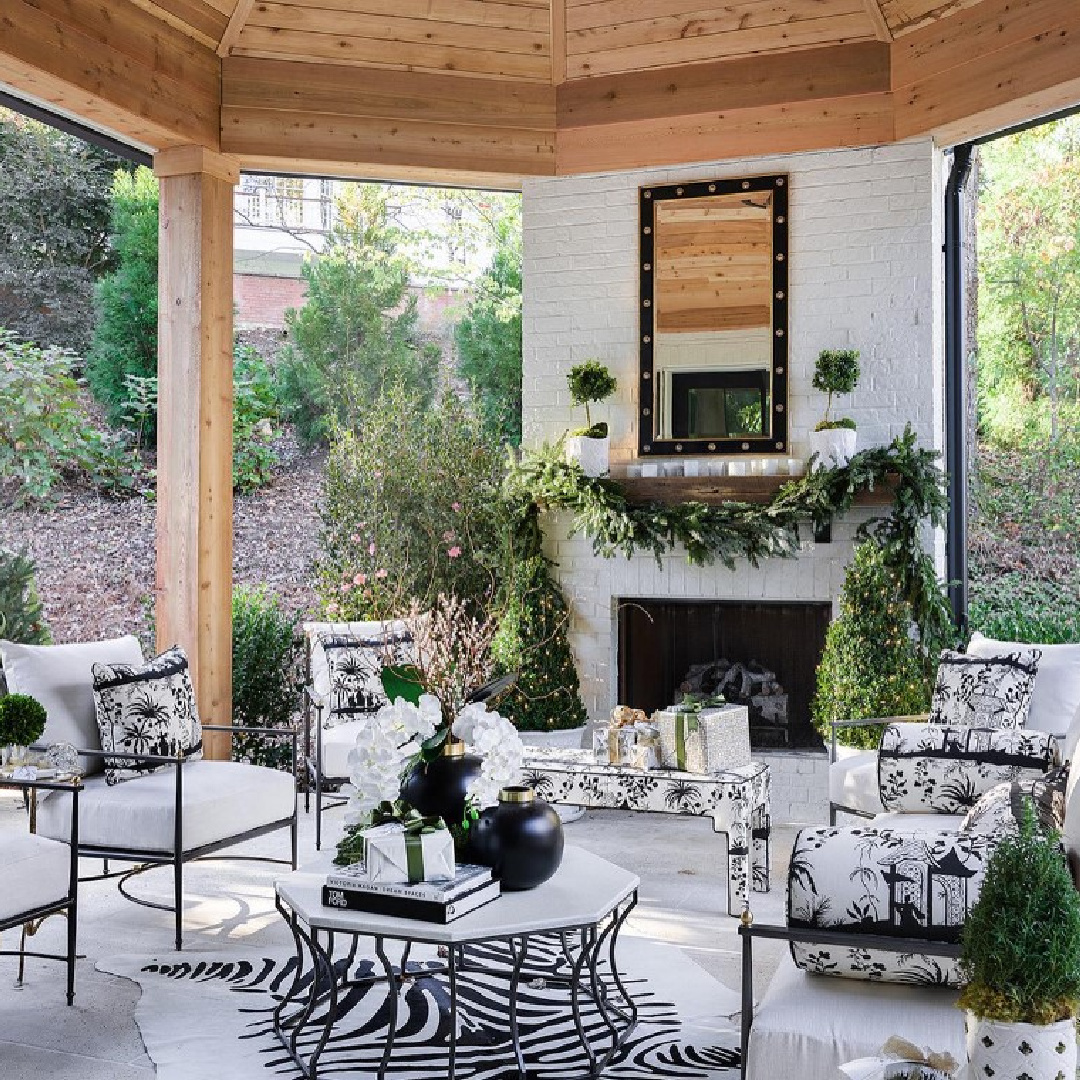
[(521, 839), (438, 788)]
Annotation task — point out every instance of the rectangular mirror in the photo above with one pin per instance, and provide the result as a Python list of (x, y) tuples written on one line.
[(714, 317)]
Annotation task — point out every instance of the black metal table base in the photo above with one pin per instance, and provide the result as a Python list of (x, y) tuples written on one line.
[(316, 1010)]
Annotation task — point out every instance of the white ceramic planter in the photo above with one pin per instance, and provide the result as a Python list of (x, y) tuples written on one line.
[(590, 454), (834, 446), (1019, 1051)]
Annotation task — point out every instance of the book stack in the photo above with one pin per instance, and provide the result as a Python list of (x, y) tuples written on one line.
[(348, 888)]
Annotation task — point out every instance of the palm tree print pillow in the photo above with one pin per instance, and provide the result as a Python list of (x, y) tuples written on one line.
[(984, 691), (932, 768), (146, 710)]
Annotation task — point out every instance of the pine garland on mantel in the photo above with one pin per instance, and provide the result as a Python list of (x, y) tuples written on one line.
[(735, 530)]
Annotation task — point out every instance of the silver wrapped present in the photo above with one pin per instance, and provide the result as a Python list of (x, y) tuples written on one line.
[(709, 741), (395, 854)]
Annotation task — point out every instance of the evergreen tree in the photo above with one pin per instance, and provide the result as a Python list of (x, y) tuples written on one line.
[(872, 665), (21, 618), (125, 341), (489, 339), (356, 335), (54, 224)]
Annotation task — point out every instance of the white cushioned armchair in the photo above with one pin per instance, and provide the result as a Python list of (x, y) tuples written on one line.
[(178, 810)]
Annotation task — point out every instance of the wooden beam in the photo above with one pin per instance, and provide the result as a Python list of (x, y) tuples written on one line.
[(115, 66), (878, 20), (863, 120), (558, 41), (986, 68), (237, 21), (195, 396), (313, 90), (748, 82)]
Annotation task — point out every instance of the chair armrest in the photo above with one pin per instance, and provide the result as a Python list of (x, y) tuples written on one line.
[(290, 732), (125, 755), (72, 785), (870, 721)]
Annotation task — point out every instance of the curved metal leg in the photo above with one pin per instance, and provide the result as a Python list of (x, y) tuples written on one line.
[(630, 1002), (325, 960), (451, 969), (599, 991), (515, 980), (392, 1000), (575, 1003), (280, 1021)]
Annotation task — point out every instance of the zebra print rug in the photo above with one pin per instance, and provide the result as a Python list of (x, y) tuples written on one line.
[(209, 1014)]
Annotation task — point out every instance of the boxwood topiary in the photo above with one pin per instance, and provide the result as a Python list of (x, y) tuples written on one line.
[(22, 720), (1021, 941), (591, 381)]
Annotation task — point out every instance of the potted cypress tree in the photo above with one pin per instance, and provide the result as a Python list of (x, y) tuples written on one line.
[(1021, 958), (588, 446), (836, 372)]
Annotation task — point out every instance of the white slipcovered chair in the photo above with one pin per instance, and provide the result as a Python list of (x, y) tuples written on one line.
[(1054, 708), (180, 811), (41, 878), (881, 904)]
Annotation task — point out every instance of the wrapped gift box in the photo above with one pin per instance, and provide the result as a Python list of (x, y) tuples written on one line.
[(394, 856), (708, 741)]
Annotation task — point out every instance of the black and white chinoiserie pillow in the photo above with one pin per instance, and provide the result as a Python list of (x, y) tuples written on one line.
[(1000, 810), (984, 691), (146, 710), (354, 669)]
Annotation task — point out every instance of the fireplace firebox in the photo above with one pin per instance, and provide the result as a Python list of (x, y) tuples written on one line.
[(762, 653)]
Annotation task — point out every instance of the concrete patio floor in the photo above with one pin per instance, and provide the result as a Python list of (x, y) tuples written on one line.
[(682, 901)]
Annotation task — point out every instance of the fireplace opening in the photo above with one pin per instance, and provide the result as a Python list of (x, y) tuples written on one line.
[(762, 654)]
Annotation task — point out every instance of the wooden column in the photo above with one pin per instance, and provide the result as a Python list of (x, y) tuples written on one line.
[(195, 403)]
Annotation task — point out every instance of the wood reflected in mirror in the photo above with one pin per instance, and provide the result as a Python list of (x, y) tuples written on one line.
[(714, 317)]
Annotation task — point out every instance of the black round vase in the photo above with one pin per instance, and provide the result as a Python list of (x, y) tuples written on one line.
[(439, 787), (521, 839)]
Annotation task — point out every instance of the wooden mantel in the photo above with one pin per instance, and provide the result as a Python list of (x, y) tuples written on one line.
[(714, 490)]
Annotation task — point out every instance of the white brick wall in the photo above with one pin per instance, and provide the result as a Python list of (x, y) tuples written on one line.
[(865, 264)]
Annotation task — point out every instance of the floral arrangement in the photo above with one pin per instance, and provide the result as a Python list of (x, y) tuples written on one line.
[(496, 740)]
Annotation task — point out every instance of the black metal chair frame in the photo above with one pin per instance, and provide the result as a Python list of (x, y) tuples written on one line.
[(68, 905), (176, 858), (819, 937)]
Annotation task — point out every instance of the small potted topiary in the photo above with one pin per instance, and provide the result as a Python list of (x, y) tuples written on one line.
[(1021, 959), (22, 721), (588, 446), (836, 372)]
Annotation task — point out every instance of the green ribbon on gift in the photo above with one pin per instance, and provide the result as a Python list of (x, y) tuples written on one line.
[(415, 826), (686, 720)]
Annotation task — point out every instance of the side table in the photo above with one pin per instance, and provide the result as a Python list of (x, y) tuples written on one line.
[(737, 801), (584, 905)]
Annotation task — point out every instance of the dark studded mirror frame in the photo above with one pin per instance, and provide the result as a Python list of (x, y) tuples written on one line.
[(777, 442)]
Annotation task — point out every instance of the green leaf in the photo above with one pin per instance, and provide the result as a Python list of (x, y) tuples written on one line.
[(403, 681)]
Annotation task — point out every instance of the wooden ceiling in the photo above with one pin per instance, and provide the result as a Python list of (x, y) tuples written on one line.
[(497, 89)]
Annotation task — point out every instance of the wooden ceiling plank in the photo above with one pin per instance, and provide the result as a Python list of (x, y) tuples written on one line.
[(862, 120), (161, 15), (117, 75), (347, 25), (997, 25), (328, 89), (912, 15), (536, 18), (743, 82), (367, 170), (558, 41), (293, 45), (837, 30), (237, 22), (197, 14), (742, 16), (259, 132), (878, 20)]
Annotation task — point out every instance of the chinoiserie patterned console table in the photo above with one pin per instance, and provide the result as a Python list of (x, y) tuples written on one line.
[(737, 801)]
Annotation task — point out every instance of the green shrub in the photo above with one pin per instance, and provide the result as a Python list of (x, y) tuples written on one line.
[(125, 339), (45, 432), (1017, 606), (266, 675), (591, 382), (532, 641), (21, 618), (835, 372), (1021, 941), (872, 665), (22, 720), (412, 508), (254, 410)]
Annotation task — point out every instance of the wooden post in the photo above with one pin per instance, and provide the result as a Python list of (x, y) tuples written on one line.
[(195, 402)]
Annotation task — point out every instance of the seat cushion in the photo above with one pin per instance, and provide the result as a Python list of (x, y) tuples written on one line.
[(37, 871), (60, 677), (336, 743), (1055, 698), (853, 783), (808, 1026), (222, 799)]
